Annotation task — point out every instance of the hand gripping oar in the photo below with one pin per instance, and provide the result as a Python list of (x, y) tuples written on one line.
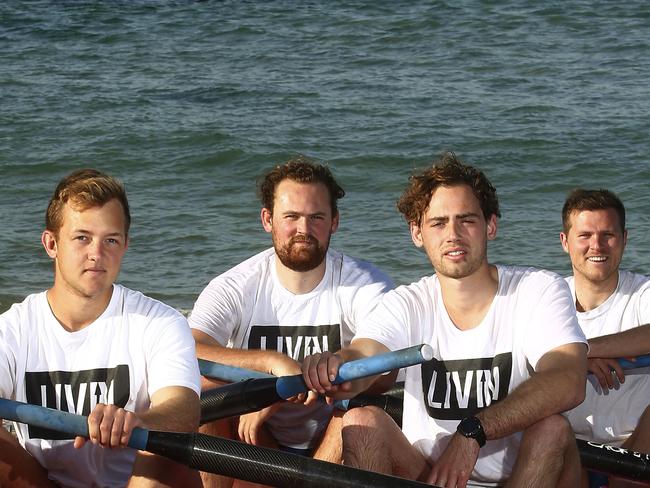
[(254, 394), (218, 455)]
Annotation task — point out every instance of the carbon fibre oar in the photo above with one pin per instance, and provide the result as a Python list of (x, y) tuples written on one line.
[(254, 394), (614, 460), (218, 455)]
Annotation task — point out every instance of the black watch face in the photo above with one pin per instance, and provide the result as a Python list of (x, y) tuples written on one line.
[(470, 426)]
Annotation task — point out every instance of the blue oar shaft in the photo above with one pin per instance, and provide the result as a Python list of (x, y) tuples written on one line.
[(68, 423), (639, 362), (288, 386)]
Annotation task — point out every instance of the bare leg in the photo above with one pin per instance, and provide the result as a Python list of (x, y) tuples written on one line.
[(373, 441), (548, 456), (330, 448), (639, 441), (18, 469), (151, 471)]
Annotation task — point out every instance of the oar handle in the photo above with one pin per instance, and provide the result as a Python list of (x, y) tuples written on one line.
[(288, 386), (68, 423), (227, 373)]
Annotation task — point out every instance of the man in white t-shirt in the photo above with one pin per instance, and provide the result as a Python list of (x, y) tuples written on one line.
[(613, 310), (509, 355), (289, 301), (92, 347)]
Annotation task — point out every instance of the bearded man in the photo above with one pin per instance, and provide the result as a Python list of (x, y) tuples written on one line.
[(287, 302)]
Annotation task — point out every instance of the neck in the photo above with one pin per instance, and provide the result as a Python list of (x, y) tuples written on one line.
[(300, 282), (590, 295), (467, 300), (76, 312)]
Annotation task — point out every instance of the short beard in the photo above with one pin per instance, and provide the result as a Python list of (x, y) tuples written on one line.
[(301, 260)]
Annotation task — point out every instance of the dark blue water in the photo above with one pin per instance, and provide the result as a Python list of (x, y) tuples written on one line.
[(188, 102)]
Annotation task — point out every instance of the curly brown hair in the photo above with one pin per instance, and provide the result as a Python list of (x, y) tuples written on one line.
[(85, 188), (580, 199), (300, 169), (448, 170)]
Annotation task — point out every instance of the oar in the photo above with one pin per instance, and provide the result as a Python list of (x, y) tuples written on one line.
[(217, 455), (254, 394), (639, 362), (614, 460)]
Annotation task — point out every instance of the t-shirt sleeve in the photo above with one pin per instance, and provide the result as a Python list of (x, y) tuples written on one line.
[(553, 321), (388, 323), (218, 309), (644, 305), (362, 294), (171, 355), (8, 344)]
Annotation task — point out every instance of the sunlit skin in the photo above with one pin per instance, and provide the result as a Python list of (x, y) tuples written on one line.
[(595, 243), (454, 233), (301, 224), (87, 253)]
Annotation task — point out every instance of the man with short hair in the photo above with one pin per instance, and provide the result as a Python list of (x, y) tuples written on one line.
[(612, 307), (93, 347), (508, 353), (289, 301)]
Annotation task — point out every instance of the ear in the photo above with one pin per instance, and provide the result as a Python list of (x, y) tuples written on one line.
[(49, 243), (564, 240), (416, 234), (492, 227), (624, 238), (335, 223), (267, 219)]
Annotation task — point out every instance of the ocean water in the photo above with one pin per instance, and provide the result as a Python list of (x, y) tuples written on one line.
[(189, 102)]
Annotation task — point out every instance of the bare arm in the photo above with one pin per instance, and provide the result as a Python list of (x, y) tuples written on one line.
[(629, 343), (271, 362), (174, 408), (558, 385)]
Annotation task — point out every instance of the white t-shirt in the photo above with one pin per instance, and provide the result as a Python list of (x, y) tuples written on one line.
[(609, 417), (531, 314), (248, 308), (133, 349)]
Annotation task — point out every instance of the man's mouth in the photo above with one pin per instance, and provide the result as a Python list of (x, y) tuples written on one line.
[(597, 259)]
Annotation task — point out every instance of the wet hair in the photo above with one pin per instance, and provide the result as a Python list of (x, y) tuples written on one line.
[(300, 169), (84, 189), (579, 200), (448, 170)]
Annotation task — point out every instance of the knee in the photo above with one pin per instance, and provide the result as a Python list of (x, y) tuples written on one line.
[(554, 429), (364, 417)]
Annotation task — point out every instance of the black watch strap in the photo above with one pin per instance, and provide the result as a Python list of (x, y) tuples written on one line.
[(471, 427)]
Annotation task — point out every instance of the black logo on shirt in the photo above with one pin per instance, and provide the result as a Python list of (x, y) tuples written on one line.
[(296, 341), (459, 388), (76, 392)]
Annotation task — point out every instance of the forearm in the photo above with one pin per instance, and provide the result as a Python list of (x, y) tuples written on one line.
[(559, 385), (174, 408), (271, 362), (632, 342)]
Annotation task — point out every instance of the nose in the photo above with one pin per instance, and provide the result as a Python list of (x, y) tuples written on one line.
[(95, 250), (596, 242), (303, 225), (453, 230)]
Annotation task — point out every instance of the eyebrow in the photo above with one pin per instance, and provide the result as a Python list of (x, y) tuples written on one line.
[(458, 216)]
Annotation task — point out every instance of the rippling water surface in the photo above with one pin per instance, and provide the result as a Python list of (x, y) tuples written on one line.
[(188, 102)]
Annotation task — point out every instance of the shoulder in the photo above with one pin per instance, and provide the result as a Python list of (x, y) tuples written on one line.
[(358, 271), (254, 267), (23, 311), (137, 304), (630, 282), (529, 277)]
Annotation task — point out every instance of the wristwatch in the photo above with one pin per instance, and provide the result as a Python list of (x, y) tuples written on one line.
[(471, 427)]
